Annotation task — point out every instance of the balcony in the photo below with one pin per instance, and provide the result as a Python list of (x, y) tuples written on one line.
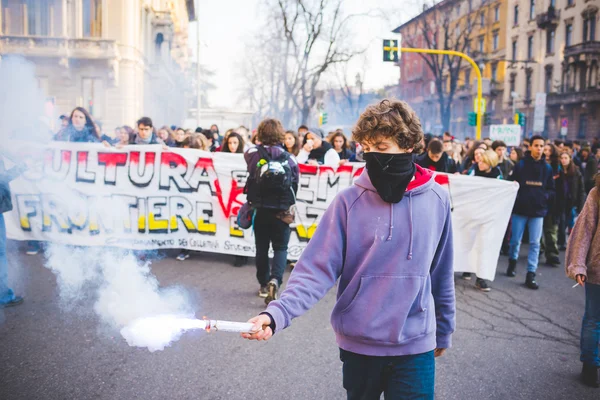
[(549, 19), (39, 46), (582, 48), (571, 97)]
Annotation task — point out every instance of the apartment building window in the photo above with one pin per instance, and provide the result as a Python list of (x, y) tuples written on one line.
[(468, 77), (92, 91), (553, 3), (497, 14), (480, 45), (570, 2), (92, 18), (550, 36), (582, 126), (514, 50), (516, 16), (531, 9), (589, 28), (495, 39), (513, 79), (495, 72), (38, 17), (548, 80), (482, 18), (528, 86), (530, 47), (569, 35)]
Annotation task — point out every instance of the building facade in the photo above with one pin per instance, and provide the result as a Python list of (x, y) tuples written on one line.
[(119, 59), (554, 49), (474, 27)]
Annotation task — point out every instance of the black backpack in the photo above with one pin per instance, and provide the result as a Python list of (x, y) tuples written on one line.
[(273, 175)]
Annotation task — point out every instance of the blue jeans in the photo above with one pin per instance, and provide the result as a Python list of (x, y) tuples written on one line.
[(6, 294), (535, 226), (400, 377), (590, 328)]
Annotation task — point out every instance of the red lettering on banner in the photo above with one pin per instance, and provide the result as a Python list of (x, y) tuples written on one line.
[(134, 157), (111, 161), (442, 179), (228, 209)]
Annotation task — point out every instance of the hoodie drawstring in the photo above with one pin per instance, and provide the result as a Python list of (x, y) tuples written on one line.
[(391, 222), (410, 226)]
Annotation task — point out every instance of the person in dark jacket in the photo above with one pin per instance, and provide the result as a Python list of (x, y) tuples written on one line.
[(7, 296), (570, 195), (549, 242), (145, 133), (589, 168), (269, 228), (536, 192), (504, 163), (436, 159), (340, 145), (81, 128)]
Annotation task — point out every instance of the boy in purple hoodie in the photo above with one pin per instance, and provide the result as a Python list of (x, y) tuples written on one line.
[(388, 239)]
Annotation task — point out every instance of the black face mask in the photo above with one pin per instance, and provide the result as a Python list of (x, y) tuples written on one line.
[(390, 174)]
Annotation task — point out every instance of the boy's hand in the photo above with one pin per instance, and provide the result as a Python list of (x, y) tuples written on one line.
[(439, 352), (261, 326)]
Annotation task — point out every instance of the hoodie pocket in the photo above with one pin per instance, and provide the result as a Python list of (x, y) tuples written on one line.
[(387, 309)]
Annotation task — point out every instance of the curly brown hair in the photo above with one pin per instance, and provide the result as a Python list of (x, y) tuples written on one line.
[(270, 132), (393, 119)]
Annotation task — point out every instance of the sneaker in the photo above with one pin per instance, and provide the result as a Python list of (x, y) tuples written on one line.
[(511, 271), (272, 287), (14, 302), (466, 276), (263, 292), (184, 255), (32, 249), (530, 281), (482, 285), (589, 375)]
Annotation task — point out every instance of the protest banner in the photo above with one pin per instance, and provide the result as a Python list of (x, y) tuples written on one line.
[(509, 134), (144, 197)]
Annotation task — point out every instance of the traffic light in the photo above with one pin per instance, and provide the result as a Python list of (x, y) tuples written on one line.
[(520, 119), (390, 50), (487, 119), (472, 119), (322, 118)]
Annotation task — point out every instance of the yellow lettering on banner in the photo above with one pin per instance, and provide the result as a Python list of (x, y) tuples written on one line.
[(304, 233), (205, 227), (94, 228), (235, 232), (25, 223), (157, 225), (142, 224), (174, 227), (189, 224)]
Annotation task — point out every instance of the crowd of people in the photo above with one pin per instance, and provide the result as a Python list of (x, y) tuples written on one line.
[(555, 178)]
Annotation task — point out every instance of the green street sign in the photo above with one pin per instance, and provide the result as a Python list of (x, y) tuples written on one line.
[(390, 51)]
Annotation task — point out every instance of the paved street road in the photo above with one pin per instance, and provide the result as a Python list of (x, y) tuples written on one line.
[(512, 343)]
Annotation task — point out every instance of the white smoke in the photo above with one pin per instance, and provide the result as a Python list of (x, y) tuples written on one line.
[(160, 331), (124, 289)]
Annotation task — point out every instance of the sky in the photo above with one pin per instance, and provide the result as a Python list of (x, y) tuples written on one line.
[(227, 25)]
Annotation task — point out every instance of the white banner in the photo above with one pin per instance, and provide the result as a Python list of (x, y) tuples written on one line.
[(145, 198), (509, 134)]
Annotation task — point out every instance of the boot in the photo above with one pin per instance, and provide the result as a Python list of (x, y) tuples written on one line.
[(512, 268), (530, 281), (589, 375)]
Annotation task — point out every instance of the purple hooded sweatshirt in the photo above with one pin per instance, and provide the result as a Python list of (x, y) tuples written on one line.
[(394, 264)]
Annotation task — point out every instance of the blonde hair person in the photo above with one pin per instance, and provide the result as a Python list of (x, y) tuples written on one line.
[(487, 165)]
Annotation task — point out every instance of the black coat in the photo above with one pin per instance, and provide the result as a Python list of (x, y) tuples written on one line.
[(591, 169), (570, 191), (536, 187), (444, 164)]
